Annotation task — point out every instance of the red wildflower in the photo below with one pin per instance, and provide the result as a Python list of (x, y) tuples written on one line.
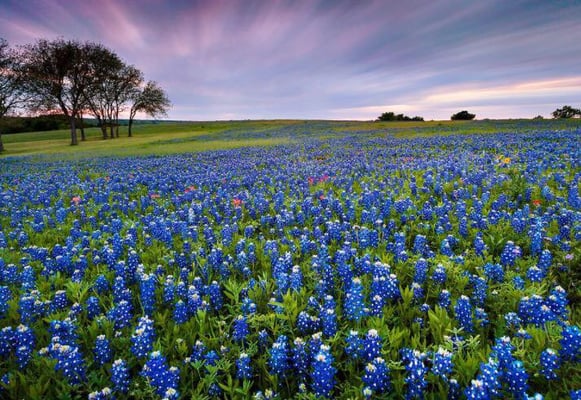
[(237, 202)]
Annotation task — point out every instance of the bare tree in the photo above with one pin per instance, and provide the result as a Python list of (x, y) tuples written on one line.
[(151, 100), (60, 73), (12, 90)]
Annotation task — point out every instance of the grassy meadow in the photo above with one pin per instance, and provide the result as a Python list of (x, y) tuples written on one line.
[(181, 137)]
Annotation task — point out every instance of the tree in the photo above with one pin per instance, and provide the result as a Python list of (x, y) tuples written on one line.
[(567, 112), (12, 90), (463, 116), (391, 116), (61, 73), (151, 100), (116, 86)]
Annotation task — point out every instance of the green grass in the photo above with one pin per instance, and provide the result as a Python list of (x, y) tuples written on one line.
[(181, 137)]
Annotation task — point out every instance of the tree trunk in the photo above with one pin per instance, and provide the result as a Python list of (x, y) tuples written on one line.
[(129, 127), (74, 140), (83, 137), (117, 123), (103, 128), (111, 130), (1, 144)]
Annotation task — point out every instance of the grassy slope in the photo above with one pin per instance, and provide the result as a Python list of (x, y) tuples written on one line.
[(169, 138)]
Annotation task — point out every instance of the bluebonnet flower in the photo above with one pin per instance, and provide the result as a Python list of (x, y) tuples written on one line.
[(371, 345), (421, 271), (353, 345), (215, 293), (516, 378), (416, 373), (509, 254), (70, 362), (535, 274), (279, 357), (479, 290), (180, 312), (570, 343), (198, 350), (463, 312), (5, 297), (376, 376), (479, 245), (93, 307), (160, 376), (6, 341), (300, 359), (502, 351), (121, 314), (102, 350), (214, 390), (549, 364), (439, 275), (143, 338), (494, 272), (476, 391), (65, 330), (490, 376), (329, 322), (323, 372), (419, 292), (211, 357), (296, 278), (518, 282), (120, 376), (24, 342), (481, 316), (545, 260), (240, 329), (169, 289), (243, 367), (353, 307), (444, 299), (442, 363), (305, 323), (512, 320), (147, 284)]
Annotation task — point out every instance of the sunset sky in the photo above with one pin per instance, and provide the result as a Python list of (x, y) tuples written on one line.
[(331, 59)]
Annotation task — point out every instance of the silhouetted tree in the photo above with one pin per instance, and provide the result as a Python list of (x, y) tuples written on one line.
[(12, 89), (151, 100), (463, 116), (391, 116), (566, 112), (61, 73)]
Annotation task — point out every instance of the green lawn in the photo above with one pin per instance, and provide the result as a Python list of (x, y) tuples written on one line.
[(180, 137)]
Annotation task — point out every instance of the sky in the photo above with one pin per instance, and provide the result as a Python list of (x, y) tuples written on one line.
[(332, 59)]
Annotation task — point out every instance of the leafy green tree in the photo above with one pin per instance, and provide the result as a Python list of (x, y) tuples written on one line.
[(61, 73), (567, 112), (463, 116), (12, 90), (151, 100)]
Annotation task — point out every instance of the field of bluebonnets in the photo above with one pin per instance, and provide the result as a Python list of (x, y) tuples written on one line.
[(358, 266)]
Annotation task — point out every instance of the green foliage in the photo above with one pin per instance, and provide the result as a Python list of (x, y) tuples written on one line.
[(462, 116), (391, 116)]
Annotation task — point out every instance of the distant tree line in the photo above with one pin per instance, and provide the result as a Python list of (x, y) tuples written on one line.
[(76, 79), (49, 122), (391, 116)]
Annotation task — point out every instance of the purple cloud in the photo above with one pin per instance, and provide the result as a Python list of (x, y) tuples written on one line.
[(330, 59)]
